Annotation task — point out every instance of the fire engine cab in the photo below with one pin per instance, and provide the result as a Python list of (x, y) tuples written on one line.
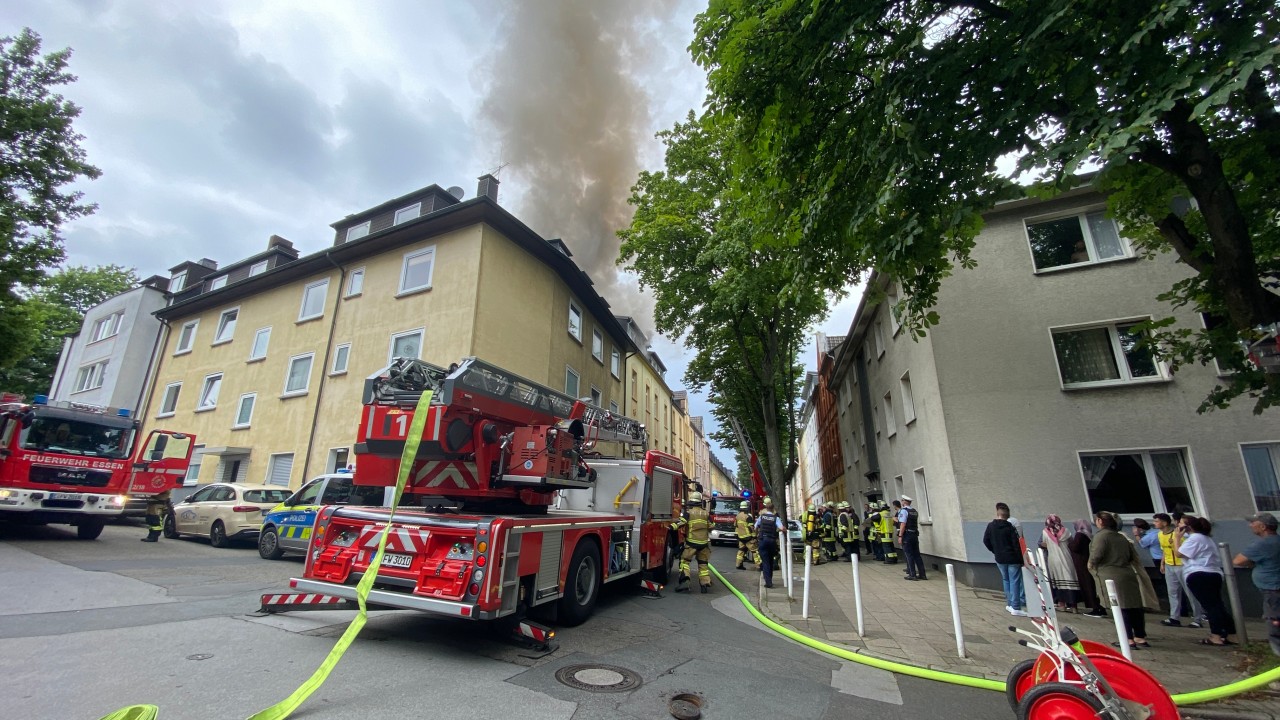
[(519, 498)]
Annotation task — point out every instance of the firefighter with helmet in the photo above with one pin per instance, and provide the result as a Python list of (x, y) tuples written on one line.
[(748, 550), (872, 523), (813, 531), (846, 526), (157, 507), (885, 532), (696, 523), (829, 530)]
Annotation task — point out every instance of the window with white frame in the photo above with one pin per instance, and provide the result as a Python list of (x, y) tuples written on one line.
[(209, 392), (1262, 465), (1078, 239), (879, 335), (571, 379), (615, 363), (90, 377), (178, 282), (1137, 482), (279, 468), (258, 268), (298, 379), (106, 327), (1104, 355), (341, 356), (891, 309), (415, 274), (218, 282), (186, 337), (408, 213), (355, 282), (890, 421), (169, 401), (226, 326), (355, 232), (313, 297), (244, 411), (193, 466), (597, 398), (597, 345), (261, 339), (575, 321), (406, 345), (922, 505), (908, 399), (613, 407)]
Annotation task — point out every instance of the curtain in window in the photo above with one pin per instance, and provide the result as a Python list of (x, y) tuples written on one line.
[(1262, 476), (1095, 468), (1171, 476), (1106, 241), (1086, 356)]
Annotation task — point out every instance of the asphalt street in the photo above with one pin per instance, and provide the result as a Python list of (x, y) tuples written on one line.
[(89, 627)]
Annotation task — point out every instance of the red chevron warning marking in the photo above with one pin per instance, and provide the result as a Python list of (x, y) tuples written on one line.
[(446, 473)]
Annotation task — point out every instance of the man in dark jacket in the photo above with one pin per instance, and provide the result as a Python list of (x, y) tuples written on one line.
[(1003, 540)]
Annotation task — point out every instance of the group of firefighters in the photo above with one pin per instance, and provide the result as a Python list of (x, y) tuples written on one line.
[(824, 525)]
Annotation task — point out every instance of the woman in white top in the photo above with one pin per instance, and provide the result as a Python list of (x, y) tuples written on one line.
[(1202, 573)]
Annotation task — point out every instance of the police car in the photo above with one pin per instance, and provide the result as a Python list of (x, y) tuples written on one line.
[(287, 527)]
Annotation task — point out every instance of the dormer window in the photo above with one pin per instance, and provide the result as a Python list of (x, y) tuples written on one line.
[(356, 232), (258, 268), (409, 213), (178, 282), (218, 282)]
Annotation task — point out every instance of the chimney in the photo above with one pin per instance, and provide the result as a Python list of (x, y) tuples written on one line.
[(211, 264), (487, 187), (282, 245)]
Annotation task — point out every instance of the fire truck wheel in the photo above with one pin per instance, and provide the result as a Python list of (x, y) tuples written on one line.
[(89, 529), (170, 529), (582, 585), (218, 534), (1058, 701), (269, 544)]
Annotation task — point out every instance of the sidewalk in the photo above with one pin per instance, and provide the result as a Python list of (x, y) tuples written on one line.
[(911, 622)]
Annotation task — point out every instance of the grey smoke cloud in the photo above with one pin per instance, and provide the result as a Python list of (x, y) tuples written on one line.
[(570, 117)]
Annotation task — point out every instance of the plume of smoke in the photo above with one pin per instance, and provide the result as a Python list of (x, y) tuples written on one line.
[(566, 106)]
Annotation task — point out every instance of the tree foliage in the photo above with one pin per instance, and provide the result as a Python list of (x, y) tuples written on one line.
[(54, 310), (878, 125), (40, 155), (741, 304)]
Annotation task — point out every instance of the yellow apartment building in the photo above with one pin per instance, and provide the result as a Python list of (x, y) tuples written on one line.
[(648, 398), (265, 360)]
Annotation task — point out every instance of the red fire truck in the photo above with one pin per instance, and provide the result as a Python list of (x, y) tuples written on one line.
[(74, 463), (510, 506)]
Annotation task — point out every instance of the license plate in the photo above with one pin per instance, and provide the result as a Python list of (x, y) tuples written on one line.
[(63, 496), (396, 560)]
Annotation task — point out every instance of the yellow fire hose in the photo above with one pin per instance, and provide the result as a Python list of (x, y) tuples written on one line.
[(1191, 698), (285, 708)]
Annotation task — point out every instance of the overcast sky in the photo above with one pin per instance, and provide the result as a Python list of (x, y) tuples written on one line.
[(218, 124)]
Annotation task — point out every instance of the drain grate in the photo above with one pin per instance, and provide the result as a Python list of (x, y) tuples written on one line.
[(598, 678)]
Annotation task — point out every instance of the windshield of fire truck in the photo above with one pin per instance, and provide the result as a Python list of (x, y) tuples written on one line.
[(77, 437)]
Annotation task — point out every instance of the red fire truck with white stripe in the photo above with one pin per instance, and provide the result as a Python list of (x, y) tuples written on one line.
[(511, 505), (73, 463)]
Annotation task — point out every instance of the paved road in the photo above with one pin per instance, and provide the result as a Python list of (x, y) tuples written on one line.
[(88, 627)]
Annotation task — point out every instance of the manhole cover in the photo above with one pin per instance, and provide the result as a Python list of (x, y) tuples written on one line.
[(598, 678), (685, 706)]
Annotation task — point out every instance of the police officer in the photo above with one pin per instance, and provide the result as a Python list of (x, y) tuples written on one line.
[(157, 506), (885, 532), (697, 543), (768, 527), (745, 529), (909, 538)]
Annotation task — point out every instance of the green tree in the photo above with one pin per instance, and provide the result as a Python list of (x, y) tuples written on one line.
[(740, 304), (54, 310), (40, 155), (877, 127)]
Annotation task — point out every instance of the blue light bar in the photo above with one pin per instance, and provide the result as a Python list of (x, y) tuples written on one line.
[(122, 412), (40, 400)]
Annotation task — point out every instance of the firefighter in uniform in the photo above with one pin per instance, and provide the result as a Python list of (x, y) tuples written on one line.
[(813, 532), (829, 530), (871, 523), (747, 548), (846, 526), (157, 507), (697, 543), (885, 531)]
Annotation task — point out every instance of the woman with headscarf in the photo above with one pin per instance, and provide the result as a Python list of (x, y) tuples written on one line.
[(1078, 546), (1113, 557), (1062, 571)]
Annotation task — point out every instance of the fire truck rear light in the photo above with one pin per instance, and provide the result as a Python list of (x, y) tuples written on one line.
[(482, 547), (481, 561), (473, 589), (477, 576), (246, 509)]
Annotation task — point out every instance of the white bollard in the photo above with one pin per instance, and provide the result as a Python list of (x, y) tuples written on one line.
[(808, 562), (1116, 615), (955, 609), (784, 566), (857, 593)]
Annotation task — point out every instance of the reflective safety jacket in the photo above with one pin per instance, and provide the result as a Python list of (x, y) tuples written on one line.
[(828, 527), (744, 528), (886, 527), (696, 523), (846, 526), (1166, 546)]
